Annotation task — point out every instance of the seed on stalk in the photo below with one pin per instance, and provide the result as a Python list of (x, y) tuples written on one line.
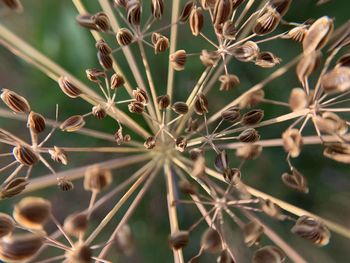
[(186, 11), (36, 122), (15, 102), (106, 61), (7, 225), (64, 184), (68, 87), (97, 178), (222, 11), (201, 104), (251, 99), (163, 102), (58, 155), (73, 123), (229, 30), (221, 161), (292, 142), (76, 224), (211, 241), (157, 8), (94, 75), (252, 117), (232, 175), (103, 47), (246, 52), (196, 21), (249, 151), (307, 65), (296, 181), (296, 34), (298, 99), (249, 135), (252, 232), (124, 37), (179, 239), (267, 21), (86, 21), (209, 58), (140, 96), (267, 60), (99, 112), (228, 82), (101, 20), (79, 254), (331, 123), (336, 80), (25, 155), (271, 209), (150, 142), (160, 42), (281, 6), (232, 114), (178, 59), (13, 187), (124, 240), (133, 12), (117, 81), (339, 152), (269, 254), (181, 144), (191, 125)]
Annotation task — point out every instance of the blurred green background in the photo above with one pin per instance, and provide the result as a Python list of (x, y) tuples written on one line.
[(50, 27)]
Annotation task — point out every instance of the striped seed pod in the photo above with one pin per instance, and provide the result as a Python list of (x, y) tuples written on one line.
[(25, 155), (99, 112), (163, 102), (296, 181), (7, 225), (140, 96), (160, 43), (271, 209), (201, 104), (68, 87), (196, 21), (292, 142), (297, 34), (13, 187), (281, 6), (103, 47), (101, 21), (232, 175), (124, 37), (252, 117), (36, 122), (186, 11), (221, 161), (222, 11), (180, 107), (267, 60), (73, 123), (339, 152), (157, 8), (267, 21), (178, 60), (106, 61), (229, 30), (15, 102), (232, 114), (246, 52), (117, 81), (86, 21), (94, 75), (249, 135), (134, 9)]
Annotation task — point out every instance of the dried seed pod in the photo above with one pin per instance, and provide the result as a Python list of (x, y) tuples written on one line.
[(13, 187), (157, 8), (191, 125), (249, 151), (252, 232), (106, 61), (124, 240), (14, 5), (339, 152), (209, 58), (292, 142), (101, 20), (86, 21), (32, 212), (246, 52), (180, 107), (103, 47), (232, 175), (99, 112), (232, 114), (251, 99), (186, 11), (296, 181), (178, 60), (68, 87), (281, 6), (20, 248), (124, 37), (211, 241), (336, 80), (73, 123), (252, 117), (36, 122), (140, 95), (222, 11), (271, 209), (318, 34), (117, 81), (7, 225), (120, 3), (228, 82), (196, 21), (76, 224), (249, 135), (267, 60), (269, 254), (221, 161), (79, 254), (163, 102), (58, 155), (150, 142), (15, 102), (25, 155), (312, 229), (201, 104), (134, 12), (343, 61), (297, 34), (97, 178), (187, 188), (331, 123), (307, 65), (161, 43), (181, 144), (94, 75), (267, 21), (64, 184), (229, 30), (179, 239), (298, 99)]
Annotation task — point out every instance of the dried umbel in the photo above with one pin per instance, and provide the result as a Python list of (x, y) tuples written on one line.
[(312, 229), (232, 175), (15, 102), (292, 142), (20, 248), (163, 102), (298, 99), (252, 233), (179, 239), (58, 155), (73, 123), (228, 82), (296, 181), (269, 254), (124, 240), (13, 187), (32, 212), (150, 143), (196, 21), (232, 114), (36, 122), (117, 81), (339, 152), (124, 37), (246, 52), (336, 80), (211, 241), (25, 155), (178, 60), (76, 224), (252, 117), (201, 104), (209, 58), (79, 254), (7, 225), (267, 21), (331, 123), (251, 99), (97, 178), (249, 151), (68, 87)]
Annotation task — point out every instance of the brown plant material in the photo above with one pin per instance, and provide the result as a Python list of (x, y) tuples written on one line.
[(13, 187), (7, 225), (178, 60), (211, 241), (179, 239), (249, 151), (339, 152), (76, 224), (252, 117), (15, 102), (228, 82), (97, 178), (73, 123), (269, 254), (68, 87), (58, 155), (336, 80), (292, 142), (296, 181), (124, 37), (25, 155), (252, 232)]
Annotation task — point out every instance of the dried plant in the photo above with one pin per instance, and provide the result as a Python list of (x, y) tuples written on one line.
[(184, 141)]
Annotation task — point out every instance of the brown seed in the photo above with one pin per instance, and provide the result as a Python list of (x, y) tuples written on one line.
[(179, 239), (32, 212), (124, 240), (306, 66), (191, 125), (64, 184), (79, 254), (252, 232), (201, 104), (25, 155), (13, 187), (252, 117), (249, 135), (76, 224), (73, 123), (180, 107), (196, 21), (124, 37), (267, 60), (15, 102), (94, 75), (221, 161), (103, 47), (297, 34), (86, 21), (211, 241), (117, 81), (7, 225), (298, 99), (267, 21), (331, 123), (271, 209), (222, 11), (14, 5), (181, 144), (232, 114), (160, 42), (209, 58), (312, 229), (106, 61), (150, 142), (246, 52), (269, 254), (229, 30), (208, 4), (58, 155), (339, 152), (292, 142), (186, 187), (36, 122), (99, 112), (101, 20), (228, 82), (296, 181), (178, 60), (157, 8), (68, 87), (97, 178), (249, 151), (20, 248), (163, 102), (133, 8), (318, 34), (251, 99), (186, 11), (232, 176), (343, 61), (336, 80), (281, 6)]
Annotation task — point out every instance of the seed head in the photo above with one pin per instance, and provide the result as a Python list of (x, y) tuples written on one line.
[(99, 112), (64, 184), (232, 114), (103, 47), (252, 117), (196, 21), (157, 8), (211, 241), (186, 11), (163, 102), (117, 81), (249, 135), (201, 104)]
